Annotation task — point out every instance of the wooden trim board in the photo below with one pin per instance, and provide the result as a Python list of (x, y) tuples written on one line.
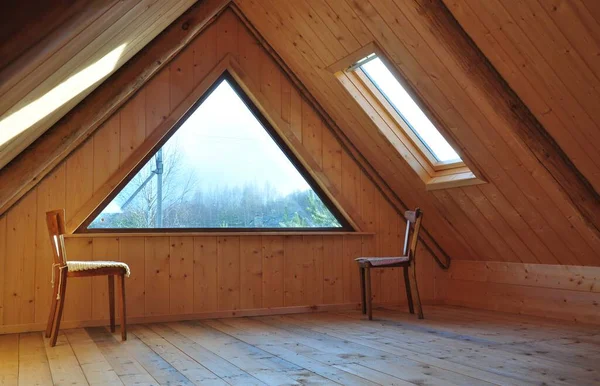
[(183, 233)]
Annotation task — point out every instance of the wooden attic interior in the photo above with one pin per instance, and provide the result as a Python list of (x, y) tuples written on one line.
[(509, 251)]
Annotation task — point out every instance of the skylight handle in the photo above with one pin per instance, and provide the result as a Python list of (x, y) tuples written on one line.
[(361, 62)]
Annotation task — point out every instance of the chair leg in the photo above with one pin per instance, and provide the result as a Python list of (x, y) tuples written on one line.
[(121, 285), (111, 301), (361, 273), (52, 313), (415, 289), (62, 291), (368, 293), (411, 308)]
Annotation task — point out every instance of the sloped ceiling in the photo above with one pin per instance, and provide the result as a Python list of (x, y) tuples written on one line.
[(523, 214), (549, 53), (54, 55)]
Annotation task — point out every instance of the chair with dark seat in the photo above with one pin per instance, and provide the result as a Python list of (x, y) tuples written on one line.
[(63, 269), (406, 261)]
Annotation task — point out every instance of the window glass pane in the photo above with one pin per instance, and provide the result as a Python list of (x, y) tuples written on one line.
[(221, 169), (397, 96)]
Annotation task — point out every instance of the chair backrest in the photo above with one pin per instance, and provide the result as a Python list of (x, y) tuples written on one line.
[(413, 225), (55, 220)]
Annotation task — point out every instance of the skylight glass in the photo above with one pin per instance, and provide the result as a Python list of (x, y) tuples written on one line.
[(405, 106), (220, 169)]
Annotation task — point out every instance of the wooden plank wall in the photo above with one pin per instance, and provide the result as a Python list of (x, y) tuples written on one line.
[(521, 215), (57, 44), (555, 291), (220, 275), (548, 52)]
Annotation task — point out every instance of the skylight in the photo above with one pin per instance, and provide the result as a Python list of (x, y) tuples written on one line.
[(221, 169), (383, 79)]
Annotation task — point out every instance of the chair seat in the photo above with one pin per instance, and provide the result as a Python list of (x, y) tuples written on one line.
[(74, 266), (383, 261)]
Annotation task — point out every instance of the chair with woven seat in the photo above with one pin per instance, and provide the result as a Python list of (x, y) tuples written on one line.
[(63, 269), (406, 261)]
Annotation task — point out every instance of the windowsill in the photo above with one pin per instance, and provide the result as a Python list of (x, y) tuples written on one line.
[(453, 181), (439, 166), (207, 234)]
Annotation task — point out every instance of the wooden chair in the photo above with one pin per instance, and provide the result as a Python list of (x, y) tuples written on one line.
[(406, 261), (63, 269)]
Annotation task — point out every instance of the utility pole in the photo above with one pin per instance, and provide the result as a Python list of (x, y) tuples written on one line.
[(159, 191)]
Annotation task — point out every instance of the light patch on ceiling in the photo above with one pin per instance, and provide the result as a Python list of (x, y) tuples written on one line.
[(26, 117)]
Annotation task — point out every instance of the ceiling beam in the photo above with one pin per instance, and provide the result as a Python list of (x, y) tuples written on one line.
[(522, 123), (34, 163)]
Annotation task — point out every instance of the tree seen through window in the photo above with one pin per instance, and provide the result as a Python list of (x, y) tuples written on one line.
[(220, 169)]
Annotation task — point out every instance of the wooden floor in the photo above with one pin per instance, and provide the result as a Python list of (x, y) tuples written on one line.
[(452, 346)]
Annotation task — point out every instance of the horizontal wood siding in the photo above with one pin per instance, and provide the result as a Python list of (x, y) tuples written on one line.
[(555, 291)]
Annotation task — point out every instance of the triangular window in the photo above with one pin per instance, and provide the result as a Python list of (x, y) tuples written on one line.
[(223, 167)]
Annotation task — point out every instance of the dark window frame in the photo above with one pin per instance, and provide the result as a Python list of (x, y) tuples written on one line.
[(345, 225)]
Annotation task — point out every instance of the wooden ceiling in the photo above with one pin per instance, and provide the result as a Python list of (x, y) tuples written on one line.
[(549, 53), (523, 213), (58, 41), (541, 66)]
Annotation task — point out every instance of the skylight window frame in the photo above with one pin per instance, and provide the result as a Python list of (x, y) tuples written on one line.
[(434, 173), (399, 119), (231, 74), (401, 123)]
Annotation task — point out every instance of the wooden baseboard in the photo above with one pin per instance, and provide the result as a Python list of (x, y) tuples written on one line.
[(174, 318), (553, 291), (201, 315)]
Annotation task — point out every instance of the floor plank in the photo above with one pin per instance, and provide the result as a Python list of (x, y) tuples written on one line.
[(159, 368), (63, 363), (33, 362), (129, 370), (9, 359), (94, 365), (451, 346), (187, 366), (219, 366), (250, 359), (401, 348), (470, 350), (403, 368)]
